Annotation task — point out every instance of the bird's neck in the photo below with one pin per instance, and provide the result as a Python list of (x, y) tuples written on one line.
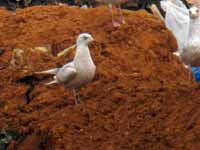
[(82, 53)]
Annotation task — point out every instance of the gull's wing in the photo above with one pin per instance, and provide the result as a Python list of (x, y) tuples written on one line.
[(66, 73), (50, 71), (179, 3), (177, 19)]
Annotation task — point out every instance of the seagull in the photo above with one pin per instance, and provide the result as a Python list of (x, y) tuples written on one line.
[(191, 51), (112, 3), (78, 72), (185, 25), (177, 20), (184, 22)]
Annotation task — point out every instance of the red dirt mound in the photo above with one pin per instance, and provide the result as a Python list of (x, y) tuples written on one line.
[(141, 97)]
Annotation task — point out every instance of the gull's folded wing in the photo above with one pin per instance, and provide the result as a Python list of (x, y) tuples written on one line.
[(177, 19), (66, 74), (50, 71)]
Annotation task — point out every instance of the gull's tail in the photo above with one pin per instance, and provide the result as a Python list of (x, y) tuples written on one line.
[(51, 71), (156, 11), (65, 51), (52, 82)]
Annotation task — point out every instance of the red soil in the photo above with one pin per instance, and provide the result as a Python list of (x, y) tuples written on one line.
[(141, 97)]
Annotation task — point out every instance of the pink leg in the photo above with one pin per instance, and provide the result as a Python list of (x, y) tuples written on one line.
[(11, 5), (77, 98), (115, 24), (190, 74), (121, 15)]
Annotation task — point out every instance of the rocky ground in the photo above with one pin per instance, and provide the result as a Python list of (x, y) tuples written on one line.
[(141, 97)]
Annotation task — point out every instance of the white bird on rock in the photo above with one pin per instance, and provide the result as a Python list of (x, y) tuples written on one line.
[(191, 51), (185, 25), (77, 73)]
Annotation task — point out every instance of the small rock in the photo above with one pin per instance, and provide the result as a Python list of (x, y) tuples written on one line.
[(1, 51)]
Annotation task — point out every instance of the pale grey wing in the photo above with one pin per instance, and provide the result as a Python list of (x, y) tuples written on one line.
[(179, 3), (54, 70), (66, 74), (177, 20), (50, 71)]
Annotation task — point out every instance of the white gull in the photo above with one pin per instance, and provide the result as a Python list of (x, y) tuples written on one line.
[(185, 25), (80, 71)]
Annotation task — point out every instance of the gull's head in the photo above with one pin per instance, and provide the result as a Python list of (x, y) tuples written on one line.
[(84, 38), (194, 12)]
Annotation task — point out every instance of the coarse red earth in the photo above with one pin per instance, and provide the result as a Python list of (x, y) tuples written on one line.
[(141, 97)]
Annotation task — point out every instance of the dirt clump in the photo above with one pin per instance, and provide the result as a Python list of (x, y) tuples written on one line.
[(141, 97)]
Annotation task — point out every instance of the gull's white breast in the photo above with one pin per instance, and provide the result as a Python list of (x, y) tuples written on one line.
[(85, 69)]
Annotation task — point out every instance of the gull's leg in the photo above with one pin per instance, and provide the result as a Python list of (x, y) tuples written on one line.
[(121, 15), (8, 1), (17, 5), (77, 97), (11, 5), (115, 24), (90, 4), (190, 74)]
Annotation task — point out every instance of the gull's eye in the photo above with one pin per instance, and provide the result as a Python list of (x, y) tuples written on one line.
[(197, 11), (85, 37)]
